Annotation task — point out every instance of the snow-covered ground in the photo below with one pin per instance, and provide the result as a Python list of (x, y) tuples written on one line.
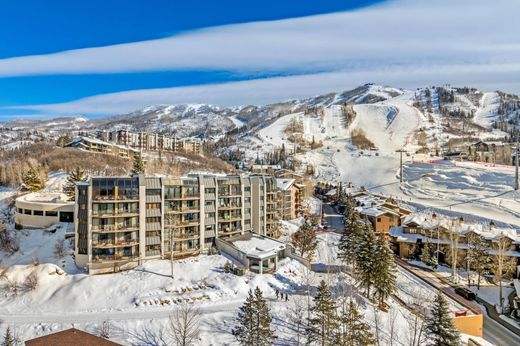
[(482, 190)]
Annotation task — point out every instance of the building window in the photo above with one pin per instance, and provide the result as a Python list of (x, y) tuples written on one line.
[(51, 213), (19, 210), (27, 211), (38, 212), (378, 219)]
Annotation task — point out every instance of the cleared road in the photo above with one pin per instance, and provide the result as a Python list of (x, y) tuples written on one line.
[(332, 218)]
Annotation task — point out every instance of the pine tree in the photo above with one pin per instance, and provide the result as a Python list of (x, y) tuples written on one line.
[(75, 176), (428, 256), (304, 240), (353, 330), (8, 338), (440, 330), (31, 181), (253, 321), (263, 322), (384, 270), (323, 323), (365, 257), (139, 165), (349, 241)]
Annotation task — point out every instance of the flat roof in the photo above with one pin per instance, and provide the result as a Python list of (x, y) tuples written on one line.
[(258, 246), (45, 197)]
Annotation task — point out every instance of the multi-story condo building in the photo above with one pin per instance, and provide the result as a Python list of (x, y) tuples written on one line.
[(123, 221), (150, 141)]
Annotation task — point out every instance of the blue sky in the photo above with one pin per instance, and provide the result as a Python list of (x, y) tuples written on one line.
[(108, 57)]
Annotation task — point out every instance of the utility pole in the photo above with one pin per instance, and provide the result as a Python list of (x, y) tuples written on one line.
[(401, 151), (517, 158)]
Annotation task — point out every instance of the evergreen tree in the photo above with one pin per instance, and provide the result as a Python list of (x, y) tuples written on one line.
[(353, 330), (75, 176), (440, 330), (31, 181), (8, 338), (384, 270), (139, 165), (253, 321), (349, 241), (428, 256), (365, 257), (304, 240), (323, 323), (263, 322), (245, 330)]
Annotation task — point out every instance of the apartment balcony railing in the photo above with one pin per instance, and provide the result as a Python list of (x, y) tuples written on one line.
[(229, 218), (181, 210), (108, 258), (229, 206), (113, 228), (150, 253), (229, 231), (117, 213), (185, 236), (111, 198), (153, 240), (103, 244)]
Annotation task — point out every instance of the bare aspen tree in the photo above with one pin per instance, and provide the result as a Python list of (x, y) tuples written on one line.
[(503, 265), (184, 325), (297, 315), (454, 232), (415, 319)]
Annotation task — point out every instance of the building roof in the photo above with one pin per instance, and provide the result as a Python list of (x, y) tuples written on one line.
[(45, 198), (256, 246), (486, 231), (267, 166), (69, 337), (284, 184)]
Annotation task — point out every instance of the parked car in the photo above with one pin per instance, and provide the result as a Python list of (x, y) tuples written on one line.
[(464, 292)]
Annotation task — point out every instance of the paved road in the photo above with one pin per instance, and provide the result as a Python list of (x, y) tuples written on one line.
[(332, 218), (493, 331)]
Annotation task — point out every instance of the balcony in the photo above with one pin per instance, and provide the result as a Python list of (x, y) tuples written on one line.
[(116, 213), (227, 232), (106, 244), (109, 258), (153, 240), (229, 206), (185, 236), (229, 218)]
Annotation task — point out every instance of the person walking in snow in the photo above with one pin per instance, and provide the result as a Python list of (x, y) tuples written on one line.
[(277, 292), (286, 296)]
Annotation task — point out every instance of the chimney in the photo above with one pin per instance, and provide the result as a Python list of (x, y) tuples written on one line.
[(373, 204), (461, 220), (350, 185), (434, 216), (491, 224)]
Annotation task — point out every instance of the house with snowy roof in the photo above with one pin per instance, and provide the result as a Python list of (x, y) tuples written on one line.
[(382, 213), (439, 231)]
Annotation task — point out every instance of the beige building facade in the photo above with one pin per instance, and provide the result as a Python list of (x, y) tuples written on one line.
[(41, 210)]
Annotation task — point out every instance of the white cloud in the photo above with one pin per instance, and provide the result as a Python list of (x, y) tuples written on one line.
[(395, 33), (405, 43), (261, 91)]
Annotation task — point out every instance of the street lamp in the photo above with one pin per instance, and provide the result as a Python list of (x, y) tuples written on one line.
[(169, 219)]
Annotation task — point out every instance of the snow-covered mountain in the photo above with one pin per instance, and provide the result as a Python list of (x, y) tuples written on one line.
[(481, 111)]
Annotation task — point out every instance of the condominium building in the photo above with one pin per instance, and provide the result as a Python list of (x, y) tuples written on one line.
[(150, 141), (122, 221)]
